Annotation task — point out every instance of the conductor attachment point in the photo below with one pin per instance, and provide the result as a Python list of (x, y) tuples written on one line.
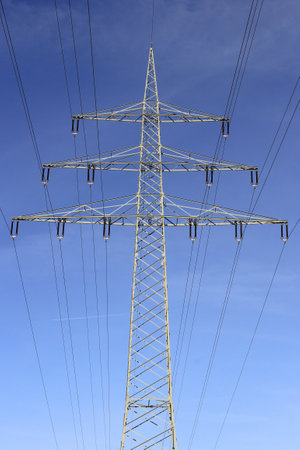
[(193, 229), (91, 176), (254, 178), (45, 175), (60, 228), (225, 128), (106, 228), (284, 232), (75, 128), (14, 229), (238, 231), (209, 176)]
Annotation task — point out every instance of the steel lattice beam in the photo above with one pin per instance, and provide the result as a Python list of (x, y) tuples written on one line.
[(135, 112), (128, 160)]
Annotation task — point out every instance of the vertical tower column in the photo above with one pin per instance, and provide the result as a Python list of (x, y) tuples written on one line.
[(149, 416)]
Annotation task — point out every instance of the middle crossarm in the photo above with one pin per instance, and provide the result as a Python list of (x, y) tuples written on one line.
[(172, 160)]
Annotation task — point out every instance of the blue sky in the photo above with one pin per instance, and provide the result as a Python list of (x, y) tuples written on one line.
[(196, 45)]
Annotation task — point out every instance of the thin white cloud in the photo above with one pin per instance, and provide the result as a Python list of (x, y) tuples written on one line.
[(101, 316)]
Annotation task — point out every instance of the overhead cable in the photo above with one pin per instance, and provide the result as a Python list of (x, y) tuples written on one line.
[(87, 326), (233, 94), (71, 341), (253, 337), (232, 274), (33, 334), (102, 195)]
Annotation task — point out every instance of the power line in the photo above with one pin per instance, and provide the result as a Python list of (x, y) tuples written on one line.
[(59, 307), (247, 57), (280, 123), (77, 74), (77, 183), (99, 333), (88, 335), (80, 231), (189, 299), (78, 197), (263, 307), (241, 65), (232, 93), (152, 22), (63, 57), (24, 103), (253, 337), (253, 20), (20, 85), (231, 278), (102, 195), (183, 308), (71, 342), (16, 70), (95, 92), (108, 340), (215, 344), (193, 321), (33, 334), (276, 154)]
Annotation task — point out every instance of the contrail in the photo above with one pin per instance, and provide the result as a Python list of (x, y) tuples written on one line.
[(102, 316)]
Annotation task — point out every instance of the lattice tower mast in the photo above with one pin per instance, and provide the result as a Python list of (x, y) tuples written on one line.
[(149, 417)]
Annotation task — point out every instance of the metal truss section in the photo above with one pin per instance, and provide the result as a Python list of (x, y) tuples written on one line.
[(132, 112), (119, 210), (128, 160), (123, 211), (183, 210), (167, 113), (164, 113), (149, 416), (173, 113)]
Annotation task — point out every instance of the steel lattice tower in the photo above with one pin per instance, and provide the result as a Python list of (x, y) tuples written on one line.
[(149, 417)]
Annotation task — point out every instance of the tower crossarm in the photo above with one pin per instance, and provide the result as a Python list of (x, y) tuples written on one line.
[(116, 211), (178, 160), (164, 113), (174, 113), (172, 160), (180, 212), (133, 112), (177, 212), (206, 214)]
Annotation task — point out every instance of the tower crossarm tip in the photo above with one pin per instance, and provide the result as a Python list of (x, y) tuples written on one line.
[(175, 160), (124, 159), (183, 212), (131, 112), (204, 211), (116, 211), (173, 113)]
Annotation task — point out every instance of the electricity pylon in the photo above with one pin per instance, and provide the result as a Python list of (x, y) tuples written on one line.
[(149, 416)]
